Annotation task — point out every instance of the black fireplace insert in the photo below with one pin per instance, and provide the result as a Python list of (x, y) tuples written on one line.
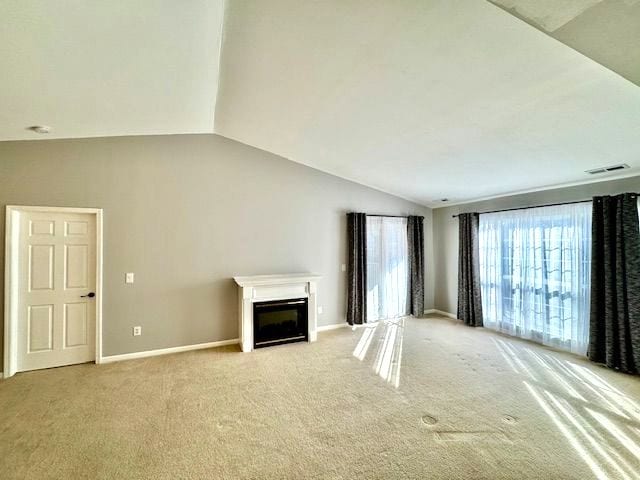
[(280, 321)]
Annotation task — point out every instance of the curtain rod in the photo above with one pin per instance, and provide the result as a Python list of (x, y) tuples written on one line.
[(394, 216), (532, 206)]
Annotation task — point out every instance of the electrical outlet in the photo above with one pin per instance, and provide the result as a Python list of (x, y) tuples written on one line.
[(129, 278), (319, 310), (137, 331)]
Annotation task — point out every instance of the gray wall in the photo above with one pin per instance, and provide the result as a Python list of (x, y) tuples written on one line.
[(445, 228), (186, 213)]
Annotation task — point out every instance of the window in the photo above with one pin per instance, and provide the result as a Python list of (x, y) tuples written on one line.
[(387, 268), (535, 268)]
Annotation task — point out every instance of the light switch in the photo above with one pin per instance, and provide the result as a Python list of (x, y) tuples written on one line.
[(343, 267), (319, 310), (129, 278)]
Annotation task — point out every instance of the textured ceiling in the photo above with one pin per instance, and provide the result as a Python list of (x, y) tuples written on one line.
[(101, 68), (426, 100)]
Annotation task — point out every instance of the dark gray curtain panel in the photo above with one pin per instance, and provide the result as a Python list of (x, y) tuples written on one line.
[(415, 238), (469, 297), (357, 268), (614, 333)]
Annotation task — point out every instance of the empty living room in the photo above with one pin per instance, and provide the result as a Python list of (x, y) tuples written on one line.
[(328, 240)]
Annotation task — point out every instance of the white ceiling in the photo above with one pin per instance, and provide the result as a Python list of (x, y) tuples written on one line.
[(549, 14), (425, 100), (102, 68), (607, 31)]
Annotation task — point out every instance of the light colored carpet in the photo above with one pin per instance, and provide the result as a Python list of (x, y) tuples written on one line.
[(427, 399)]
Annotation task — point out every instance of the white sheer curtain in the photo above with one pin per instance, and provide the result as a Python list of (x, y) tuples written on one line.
[(535, 269), (387, 268)]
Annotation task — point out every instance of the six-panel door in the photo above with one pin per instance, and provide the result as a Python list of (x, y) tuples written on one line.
[(57, 274)]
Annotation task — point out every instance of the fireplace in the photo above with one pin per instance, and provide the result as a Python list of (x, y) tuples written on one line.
[(275, 309), (280, 321)]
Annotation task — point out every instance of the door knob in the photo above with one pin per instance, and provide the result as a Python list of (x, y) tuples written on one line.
[(90, 295)]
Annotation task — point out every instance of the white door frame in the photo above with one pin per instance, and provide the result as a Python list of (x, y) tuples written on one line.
[(11, 287)]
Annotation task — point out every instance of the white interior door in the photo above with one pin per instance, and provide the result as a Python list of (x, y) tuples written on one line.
[(56, 293)]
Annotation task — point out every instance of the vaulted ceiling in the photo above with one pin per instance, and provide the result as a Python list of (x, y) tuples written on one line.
[(104, 68), (607, 31), (461, 99)]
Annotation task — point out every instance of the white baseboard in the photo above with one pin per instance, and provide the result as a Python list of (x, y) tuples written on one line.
[(324, 328), (166, 351), (441, 312)]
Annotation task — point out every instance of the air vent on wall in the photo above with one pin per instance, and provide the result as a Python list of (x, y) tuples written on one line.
[(610, 168)]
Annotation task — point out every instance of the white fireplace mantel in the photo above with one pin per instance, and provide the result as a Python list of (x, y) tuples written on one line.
[(264, 288)]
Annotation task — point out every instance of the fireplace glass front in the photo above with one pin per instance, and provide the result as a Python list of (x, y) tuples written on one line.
[(280, 321)]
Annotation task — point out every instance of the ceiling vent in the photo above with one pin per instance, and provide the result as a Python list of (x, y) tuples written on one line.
[(610, 168)]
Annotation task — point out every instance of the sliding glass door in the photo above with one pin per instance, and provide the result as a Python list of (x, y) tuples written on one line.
[(535, 267), (387, 268)]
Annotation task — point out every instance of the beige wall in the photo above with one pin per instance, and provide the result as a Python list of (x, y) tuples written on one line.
[(186, 213), (445, 238)]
